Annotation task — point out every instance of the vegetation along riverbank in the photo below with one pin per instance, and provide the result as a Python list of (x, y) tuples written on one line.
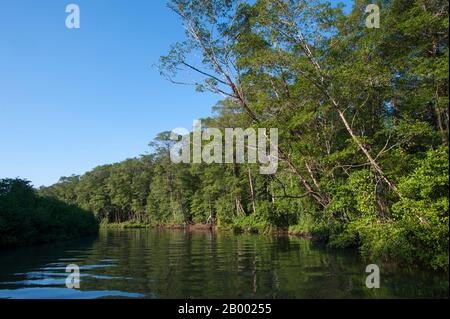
[(363, 124), (27, 218)]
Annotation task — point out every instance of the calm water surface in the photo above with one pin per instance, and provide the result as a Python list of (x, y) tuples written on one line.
[(177, 264)]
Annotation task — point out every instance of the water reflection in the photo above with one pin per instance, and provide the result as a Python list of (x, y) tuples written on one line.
[(62, 293), (179, 264)]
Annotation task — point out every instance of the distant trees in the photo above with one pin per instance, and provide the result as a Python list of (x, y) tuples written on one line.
[(26, 218), (115, 193)]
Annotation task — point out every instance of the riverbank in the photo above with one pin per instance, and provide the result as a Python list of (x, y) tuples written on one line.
[(130, 225), (209, 227), (27, 218)]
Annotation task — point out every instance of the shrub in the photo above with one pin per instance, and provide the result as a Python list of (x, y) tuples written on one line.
[(26, 218)]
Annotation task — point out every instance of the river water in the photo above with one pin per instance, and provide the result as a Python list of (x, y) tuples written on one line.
[(149, 263)]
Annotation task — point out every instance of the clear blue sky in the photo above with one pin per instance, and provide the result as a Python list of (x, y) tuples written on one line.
[(74, 99)]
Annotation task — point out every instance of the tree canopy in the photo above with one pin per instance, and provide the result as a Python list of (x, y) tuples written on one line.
[(362, 116)]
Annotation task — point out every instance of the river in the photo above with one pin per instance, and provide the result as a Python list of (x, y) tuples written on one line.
[(150, 263)]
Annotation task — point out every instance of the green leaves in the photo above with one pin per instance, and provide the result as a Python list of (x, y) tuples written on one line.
[(26, 218), (358, 111)]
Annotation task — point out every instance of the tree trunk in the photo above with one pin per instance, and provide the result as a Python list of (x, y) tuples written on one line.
[(361, 146), (320, 83), (252, 196)]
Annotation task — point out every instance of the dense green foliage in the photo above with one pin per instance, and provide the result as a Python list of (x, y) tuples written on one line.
[(362, 116), (26, 218)]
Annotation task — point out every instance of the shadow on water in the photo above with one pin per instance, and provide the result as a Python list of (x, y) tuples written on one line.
[(181, 264)]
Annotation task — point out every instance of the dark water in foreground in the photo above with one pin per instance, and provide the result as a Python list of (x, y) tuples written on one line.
[(178, 264)]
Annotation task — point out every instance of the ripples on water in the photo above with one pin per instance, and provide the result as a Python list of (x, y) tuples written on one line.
[(179, 264)]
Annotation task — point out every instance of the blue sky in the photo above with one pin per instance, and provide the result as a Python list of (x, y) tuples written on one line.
[(74, 99)]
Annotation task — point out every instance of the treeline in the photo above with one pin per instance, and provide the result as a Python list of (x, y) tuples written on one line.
[(362, 116), (26, 218)]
